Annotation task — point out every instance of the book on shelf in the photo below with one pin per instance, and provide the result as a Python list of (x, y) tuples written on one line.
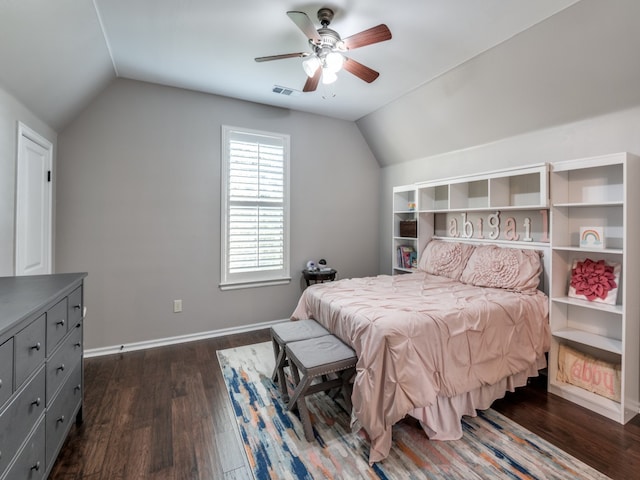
[(406, 256)]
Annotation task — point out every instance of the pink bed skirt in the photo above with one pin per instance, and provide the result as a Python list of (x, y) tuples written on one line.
[(441, 421)]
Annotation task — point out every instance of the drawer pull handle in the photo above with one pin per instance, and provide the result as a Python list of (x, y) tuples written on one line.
[(0, 383), (77, 388), (77, 344), (61, 419), (36, 346), (36, 467), (60, 322), (36, 402), (77, 307), (61, 367)]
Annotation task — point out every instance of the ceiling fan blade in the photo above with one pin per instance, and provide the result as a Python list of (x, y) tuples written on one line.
[(305, 24), (280, 57), (312, 82), (359, 70), (367, 37)]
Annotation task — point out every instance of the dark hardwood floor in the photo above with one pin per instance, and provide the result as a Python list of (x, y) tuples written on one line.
[(163, 413)]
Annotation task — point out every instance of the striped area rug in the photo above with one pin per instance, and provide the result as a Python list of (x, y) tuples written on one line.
[(492, 446)]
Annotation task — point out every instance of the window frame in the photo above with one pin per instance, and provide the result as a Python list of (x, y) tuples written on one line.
[(229, 280)]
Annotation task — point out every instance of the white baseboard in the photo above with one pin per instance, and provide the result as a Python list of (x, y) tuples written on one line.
[(130, 347)]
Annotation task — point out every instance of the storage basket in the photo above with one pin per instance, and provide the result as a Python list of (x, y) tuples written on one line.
[(585, 371), (408, 228)]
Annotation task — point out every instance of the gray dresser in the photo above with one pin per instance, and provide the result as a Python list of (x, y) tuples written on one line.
[(41, 378)]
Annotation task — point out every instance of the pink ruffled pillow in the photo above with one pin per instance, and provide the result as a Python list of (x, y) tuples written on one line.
[(509, 268), (446, 259)]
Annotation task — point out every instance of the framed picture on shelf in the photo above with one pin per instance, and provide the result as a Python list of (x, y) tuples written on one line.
[(591, 237), (594, 280)]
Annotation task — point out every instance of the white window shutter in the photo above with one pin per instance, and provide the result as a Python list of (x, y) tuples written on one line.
[(255, 212)]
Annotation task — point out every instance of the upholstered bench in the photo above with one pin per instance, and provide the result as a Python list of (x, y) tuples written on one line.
[(319, 357), (284, 333)]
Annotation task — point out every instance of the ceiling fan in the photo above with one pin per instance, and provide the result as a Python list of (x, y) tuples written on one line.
[(326, 57)]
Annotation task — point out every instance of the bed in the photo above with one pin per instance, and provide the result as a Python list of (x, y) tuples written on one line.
[(439, 343)]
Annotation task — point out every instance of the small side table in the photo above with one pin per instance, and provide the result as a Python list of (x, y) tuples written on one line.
[(319, 276)]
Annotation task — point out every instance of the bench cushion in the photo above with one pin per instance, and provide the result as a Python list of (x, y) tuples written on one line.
[(294, 331), (316, 352)]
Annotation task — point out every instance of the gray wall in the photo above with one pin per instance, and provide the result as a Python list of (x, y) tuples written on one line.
[(579, 63), (610, 133), (12, 112), (139, 209)]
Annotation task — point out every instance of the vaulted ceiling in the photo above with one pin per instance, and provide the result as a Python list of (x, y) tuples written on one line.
[(55, 56)]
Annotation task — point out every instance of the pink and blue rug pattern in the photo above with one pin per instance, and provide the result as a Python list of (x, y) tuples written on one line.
[(492, 446)]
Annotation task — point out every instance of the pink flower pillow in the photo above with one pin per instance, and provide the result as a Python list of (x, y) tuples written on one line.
[(513, 269), (446, 259), (596, 281)]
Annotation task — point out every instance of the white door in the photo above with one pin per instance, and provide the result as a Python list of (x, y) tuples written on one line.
[(33, 203)]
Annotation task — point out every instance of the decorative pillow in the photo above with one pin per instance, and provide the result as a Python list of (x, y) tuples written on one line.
[(513, 269), (596, 281), (446, 259)]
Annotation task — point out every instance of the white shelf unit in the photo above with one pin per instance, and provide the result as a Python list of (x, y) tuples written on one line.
[(597, 191), (515, 190), (403, 197), (512, 189)]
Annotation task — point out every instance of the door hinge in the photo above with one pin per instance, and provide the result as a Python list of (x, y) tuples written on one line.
[(48, 175)]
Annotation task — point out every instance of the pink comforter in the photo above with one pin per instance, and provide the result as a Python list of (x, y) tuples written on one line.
[(418, 336)]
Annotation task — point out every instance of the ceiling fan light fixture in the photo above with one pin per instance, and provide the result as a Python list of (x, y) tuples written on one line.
[(326, 46), (334, 61), (310, 65), (328, 76)]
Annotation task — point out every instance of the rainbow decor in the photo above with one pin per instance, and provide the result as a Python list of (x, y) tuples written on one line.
[(592, 237)]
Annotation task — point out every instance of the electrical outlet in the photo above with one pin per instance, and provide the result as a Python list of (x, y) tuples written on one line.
[(177, 306)]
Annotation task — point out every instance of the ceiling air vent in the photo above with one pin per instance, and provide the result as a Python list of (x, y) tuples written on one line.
[(289, 92)]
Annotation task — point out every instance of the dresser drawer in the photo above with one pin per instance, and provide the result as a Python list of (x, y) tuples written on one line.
[(6, 371), (66, 358), (19, 417), (75, 307), (30, 464), (60, 413), (57, 324), (29, 345)]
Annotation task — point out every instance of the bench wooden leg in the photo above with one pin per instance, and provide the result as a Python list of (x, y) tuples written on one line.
[(278, 371), (277, 354), (347, 387), (298, 400), (301, 385), (304, 418)]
